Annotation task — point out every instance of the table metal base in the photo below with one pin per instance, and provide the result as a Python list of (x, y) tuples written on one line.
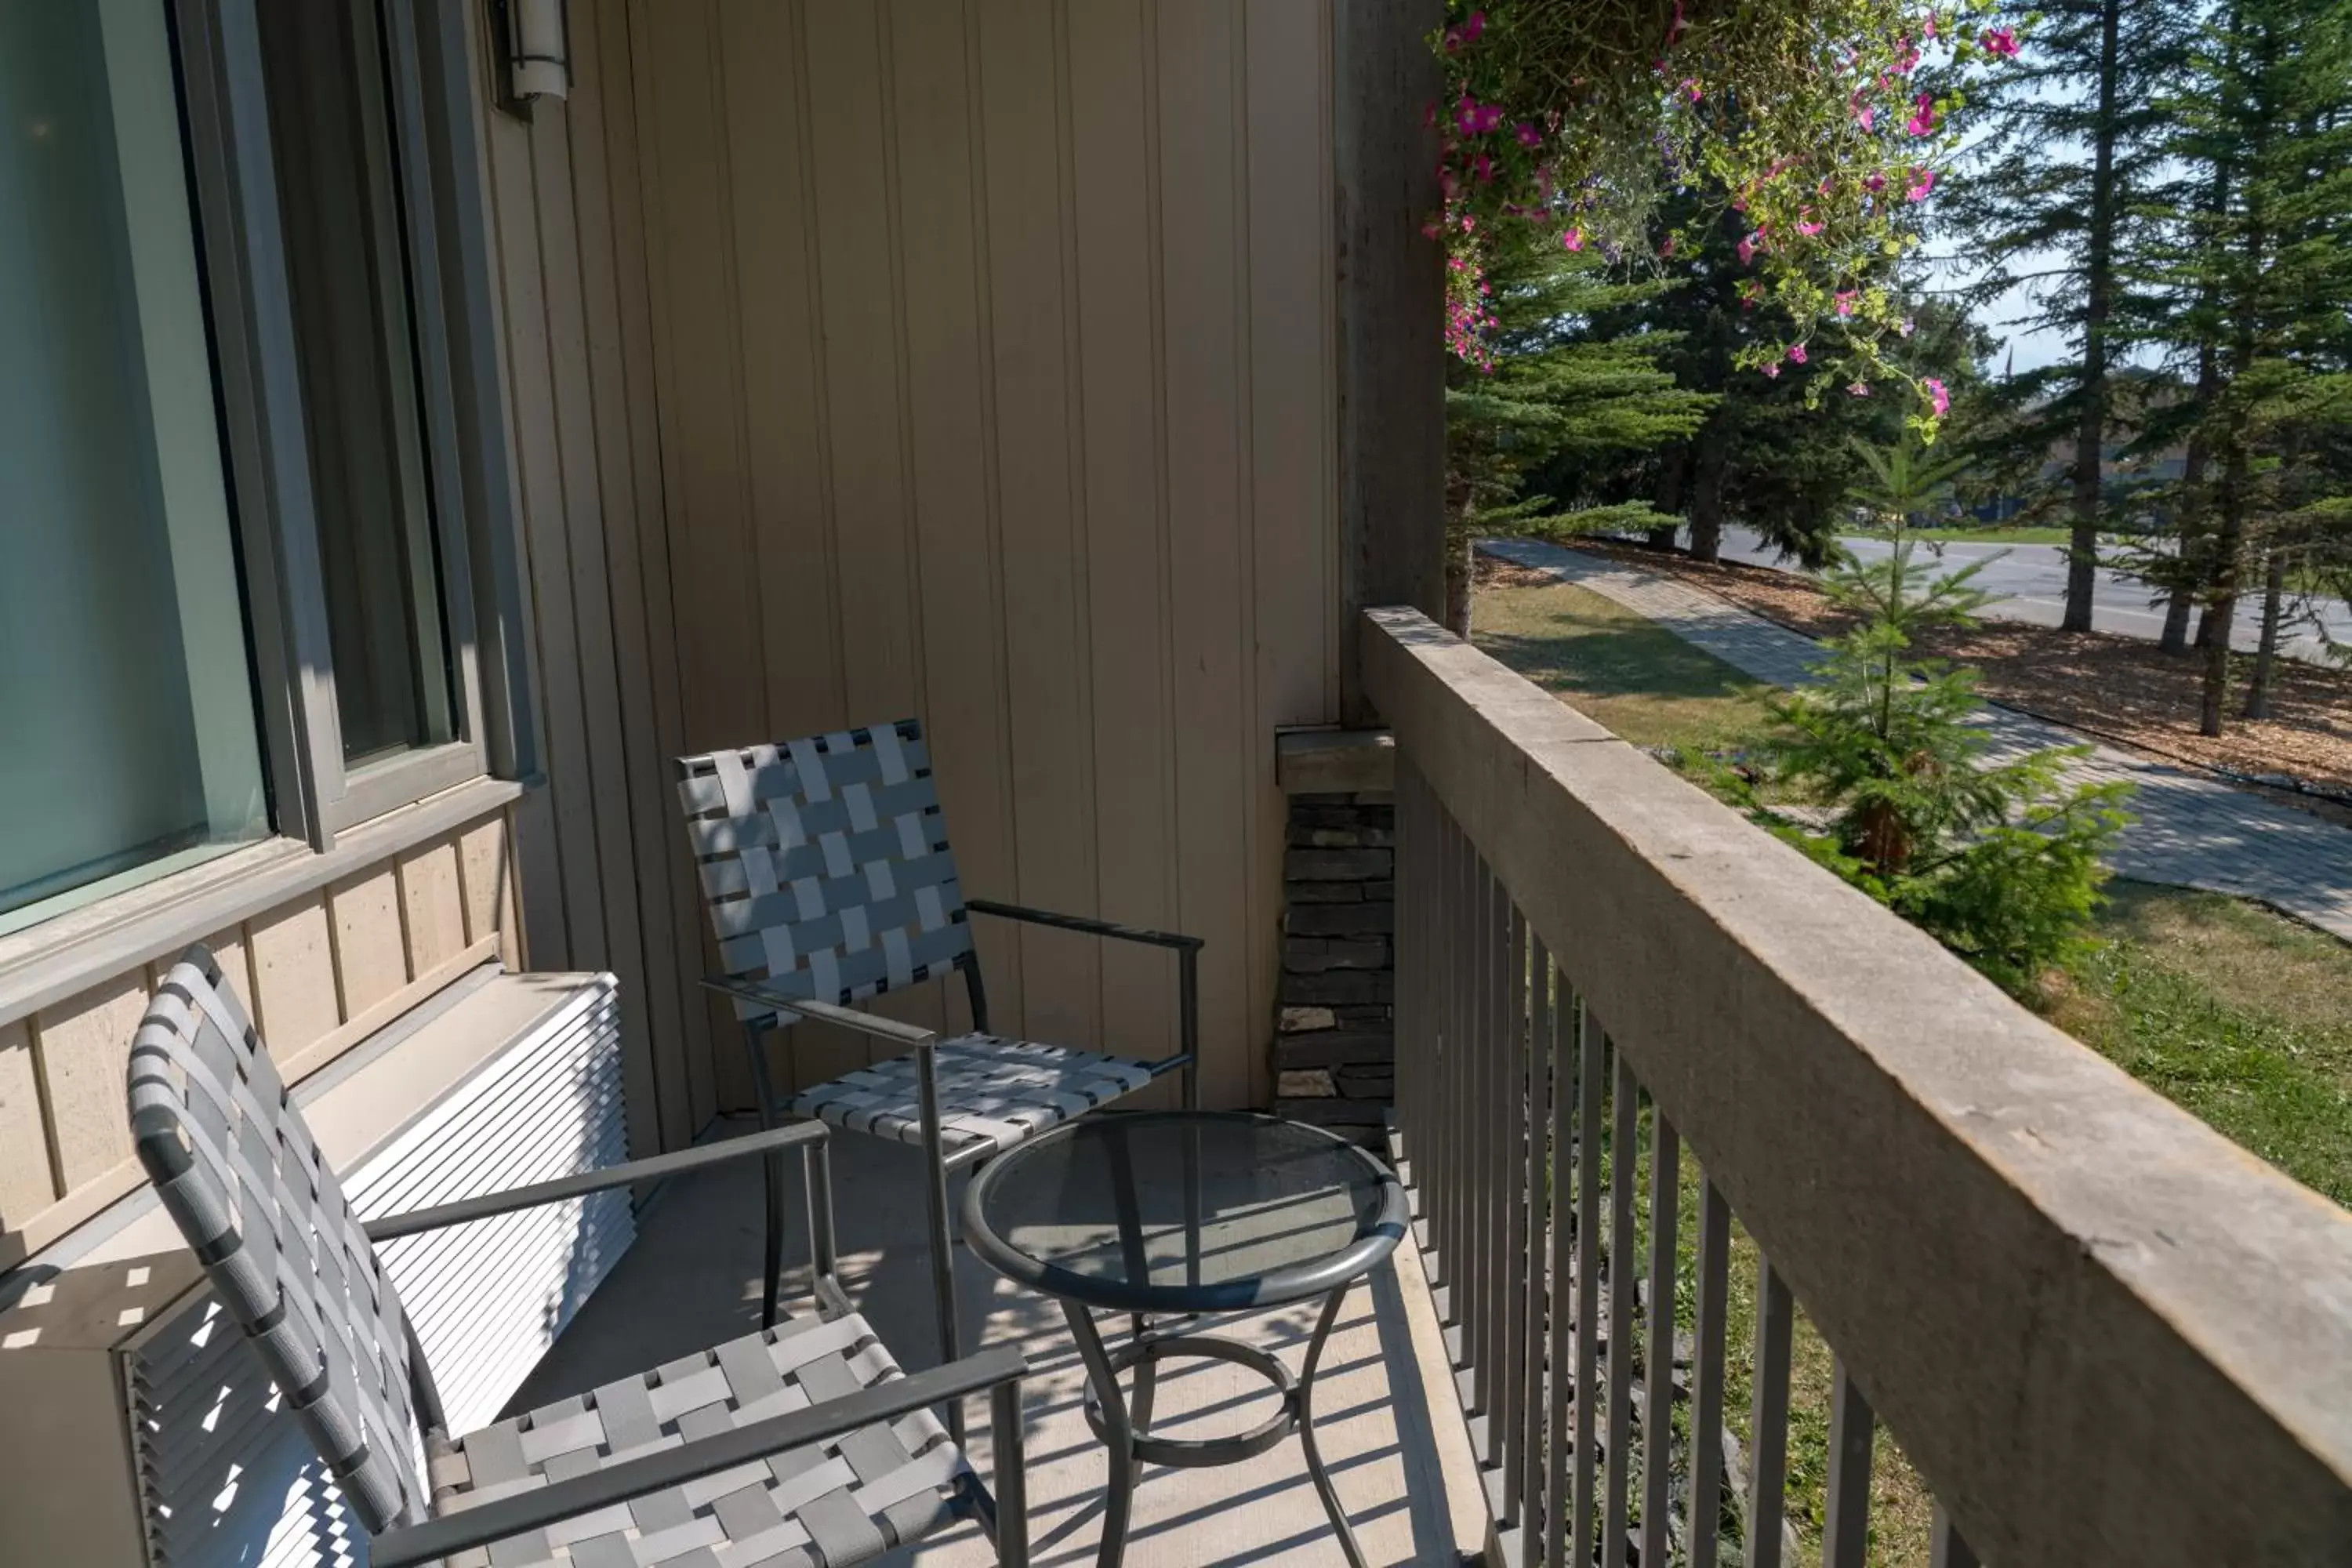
[(1126, 1430)]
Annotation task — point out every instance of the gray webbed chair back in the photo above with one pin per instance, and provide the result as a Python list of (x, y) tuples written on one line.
[(238, 1171), (826, 867)]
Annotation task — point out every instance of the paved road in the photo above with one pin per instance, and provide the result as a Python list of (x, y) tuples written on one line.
[(2191, 830), (2032, 579)]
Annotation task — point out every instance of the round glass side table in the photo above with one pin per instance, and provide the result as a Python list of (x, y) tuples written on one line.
[(1177, 1213)]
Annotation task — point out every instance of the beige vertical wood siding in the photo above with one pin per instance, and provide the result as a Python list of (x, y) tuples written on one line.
[(320, 973), (968, 359)]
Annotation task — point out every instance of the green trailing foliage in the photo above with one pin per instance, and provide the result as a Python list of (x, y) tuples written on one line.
[(1996, 856), (1556, 387), (1772, 455)]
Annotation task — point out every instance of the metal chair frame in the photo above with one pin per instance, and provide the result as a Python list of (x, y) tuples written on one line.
[(923, 1044), (412, 1543), (872, 786)]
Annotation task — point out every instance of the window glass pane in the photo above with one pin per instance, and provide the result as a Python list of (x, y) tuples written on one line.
[(340, 200), (128, 741)]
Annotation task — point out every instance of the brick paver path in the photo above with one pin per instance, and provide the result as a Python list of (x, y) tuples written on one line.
[(2189, 829)]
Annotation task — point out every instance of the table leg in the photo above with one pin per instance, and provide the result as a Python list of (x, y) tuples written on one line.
[(1305, 1404), (1119, 1435), (1147, 1382)]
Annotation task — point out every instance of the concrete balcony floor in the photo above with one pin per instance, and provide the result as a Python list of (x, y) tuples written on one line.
[(1386, 1416)]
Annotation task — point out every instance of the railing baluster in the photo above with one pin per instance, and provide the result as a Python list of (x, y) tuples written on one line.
[(1517, 1108), (1559, 1529), (1455, 940), (1768, 1438), (1624, 1182), (1846, 1526), (1945, 1547), (1479, 1032), (1536, 1061), (1588, 1270), (1405, 1029), (1496, 1176), (1658, 1347), (1704, 1524)]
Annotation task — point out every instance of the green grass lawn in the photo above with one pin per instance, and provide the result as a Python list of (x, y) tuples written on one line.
[(1996, 535), (1640, 679), (2236, 1014)]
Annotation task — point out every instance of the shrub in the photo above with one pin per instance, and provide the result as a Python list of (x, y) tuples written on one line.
[(1997, 857)]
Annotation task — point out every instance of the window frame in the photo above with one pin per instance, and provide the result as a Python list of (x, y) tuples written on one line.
[(437, 137), (327, 822)]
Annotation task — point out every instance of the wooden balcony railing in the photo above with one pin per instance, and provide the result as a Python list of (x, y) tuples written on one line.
[(2100, 1332)]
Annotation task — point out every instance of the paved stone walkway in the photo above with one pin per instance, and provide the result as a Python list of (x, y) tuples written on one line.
[(2189, 829)]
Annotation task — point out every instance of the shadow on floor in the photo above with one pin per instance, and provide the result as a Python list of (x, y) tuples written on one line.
[(1402, 1468)]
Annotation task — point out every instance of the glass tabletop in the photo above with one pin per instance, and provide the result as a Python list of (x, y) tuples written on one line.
[(1185, 1211)]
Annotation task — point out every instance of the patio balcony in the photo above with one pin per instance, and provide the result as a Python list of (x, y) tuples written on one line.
[(1627, 1020)]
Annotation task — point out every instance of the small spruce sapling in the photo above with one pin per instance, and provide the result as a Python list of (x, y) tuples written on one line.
[(1996, 856)]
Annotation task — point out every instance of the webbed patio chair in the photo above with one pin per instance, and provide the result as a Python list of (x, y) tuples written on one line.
[(826, 868), (798, 1445)]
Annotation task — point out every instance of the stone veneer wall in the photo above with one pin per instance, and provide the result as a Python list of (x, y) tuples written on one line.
[(1335, 1045)]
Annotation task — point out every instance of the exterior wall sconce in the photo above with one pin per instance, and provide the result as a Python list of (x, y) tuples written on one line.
[(534, 39)]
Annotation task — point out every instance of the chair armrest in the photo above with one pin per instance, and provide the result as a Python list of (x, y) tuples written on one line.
[(391, 1228), (448, 1533), (822, 1011), (1083, 923)]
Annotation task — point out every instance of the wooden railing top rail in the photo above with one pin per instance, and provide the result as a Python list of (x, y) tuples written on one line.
[(2103, 1331)]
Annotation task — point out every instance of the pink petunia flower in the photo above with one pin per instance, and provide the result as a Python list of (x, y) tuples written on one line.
[(1674, 29), (1939, 396), (1667, 248), (2001, 41), (1797, 352), (1747, 250), (1477, 25), (1922, 182), (1845, 301), (1528, 135), (1923, 115), (1859, 388), (1928, 27), (1572, 240), (1465, 118), (1773, 370), (1865, 115), (1690, 86), (1807, 223), (1906, 54), (1485, 168), (1873, 181)]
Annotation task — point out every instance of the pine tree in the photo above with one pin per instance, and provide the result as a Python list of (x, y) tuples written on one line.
[(1777, 452), (2251, 271), (1999, 859), (1557, 388), (2065, 173)]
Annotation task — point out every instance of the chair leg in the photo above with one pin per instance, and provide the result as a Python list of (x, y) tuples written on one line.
[(1012, 1477), (772, 1272), (1188, 971), (935, 1193)]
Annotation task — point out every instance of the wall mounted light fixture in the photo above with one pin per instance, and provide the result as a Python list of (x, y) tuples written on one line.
[(535, 40)]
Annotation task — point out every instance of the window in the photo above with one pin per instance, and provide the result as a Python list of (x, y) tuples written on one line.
[(128, 741), (340, 198), (248, 434)]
